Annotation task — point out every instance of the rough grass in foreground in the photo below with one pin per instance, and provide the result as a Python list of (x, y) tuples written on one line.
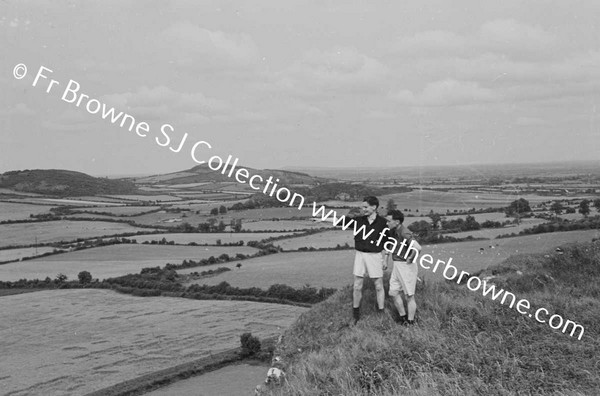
[(464, 344)]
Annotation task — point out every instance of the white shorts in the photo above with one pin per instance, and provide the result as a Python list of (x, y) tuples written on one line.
[(404, 278), (370, 264)]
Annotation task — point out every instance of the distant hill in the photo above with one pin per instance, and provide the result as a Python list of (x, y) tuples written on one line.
[(203, 174), (63, 183)]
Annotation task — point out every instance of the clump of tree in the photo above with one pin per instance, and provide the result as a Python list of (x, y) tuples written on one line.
[(85, 277), (584, 207), (250, 344), (517, 208), (557, 207)]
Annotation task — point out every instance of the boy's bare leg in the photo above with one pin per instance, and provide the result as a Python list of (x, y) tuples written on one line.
[(412, 307), (399, 304), (380, 293)]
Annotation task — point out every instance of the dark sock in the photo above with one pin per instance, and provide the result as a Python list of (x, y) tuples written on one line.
[(356, 314), (403, 319), (410, 322)]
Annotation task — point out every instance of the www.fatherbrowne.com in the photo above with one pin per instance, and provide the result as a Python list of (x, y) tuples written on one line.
[(451, 273)]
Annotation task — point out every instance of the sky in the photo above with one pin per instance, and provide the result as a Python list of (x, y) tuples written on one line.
[(327, 83)]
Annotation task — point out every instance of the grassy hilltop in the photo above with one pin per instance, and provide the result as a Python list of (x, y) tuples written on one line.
[(63, 183), (464, 343)]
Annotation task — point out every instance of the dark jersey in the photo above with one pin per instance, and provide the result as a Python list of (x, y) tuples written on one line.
[(372, 231)]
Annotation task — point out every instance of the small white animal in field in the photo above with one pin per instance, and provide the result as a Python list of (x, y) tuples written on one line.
[(274, 375)]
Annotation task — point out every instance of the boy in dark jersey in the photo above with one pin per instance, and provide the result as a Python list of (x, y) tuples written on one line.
[(369, 255)]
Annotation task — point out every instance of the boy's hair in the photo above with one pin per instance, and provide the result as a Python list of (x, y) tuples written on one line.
[(396, 215), (371, 200)]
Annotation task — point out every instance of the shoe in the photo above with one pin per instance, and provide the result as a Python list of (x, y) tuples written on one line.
[(410, 322), (402, 320)]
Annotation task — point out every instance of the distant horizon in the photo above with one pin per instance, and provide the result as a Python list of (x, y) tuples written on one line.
[(338, 168)]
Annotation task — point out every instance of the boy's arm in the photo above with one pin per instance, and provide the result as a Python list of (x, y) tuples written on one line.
[(352, 215), (409, 236)]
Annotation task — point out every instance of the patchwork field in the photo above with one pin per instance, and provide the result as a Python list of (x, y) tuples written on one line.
[(281, 225), (327, 239), (73, 342), (334, 268), (491, 233), (78, 201), (20, 211), (210, 238), (158, 198), (61, 230), (163, 217), (15, 254), (271, 213), (320, 269), (114, 260), (439, 201), (123, 210)]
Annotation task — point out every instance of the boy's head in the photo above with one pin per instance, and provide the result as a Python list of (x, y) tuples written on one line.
[(394, 218), (369, 205)]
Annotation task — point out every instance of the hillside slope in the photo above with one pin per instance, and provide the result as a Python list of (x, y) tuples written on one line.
[(64, 183), (464, 343), (203, 174)]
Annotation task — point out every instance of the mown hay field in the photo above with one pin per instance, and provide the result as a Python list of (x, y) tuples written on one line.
[(61, 230), (73, 342), (112, 261), (334, 268)]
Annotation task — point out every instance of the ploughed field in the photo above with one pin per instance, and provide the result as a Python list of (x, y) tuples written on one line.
[(73, 342), (112, 261), (334, 268)]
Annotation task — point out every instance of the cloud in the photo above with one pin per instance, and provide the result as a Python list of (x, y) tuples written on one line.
[(339, 70), (20, 109), (531, 121), (378, 115), (506, 37), (163, 102), (447, 92), (503, 61), (512, 37), (15, 22), (71, 120), (186, 44), (433, 43)]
